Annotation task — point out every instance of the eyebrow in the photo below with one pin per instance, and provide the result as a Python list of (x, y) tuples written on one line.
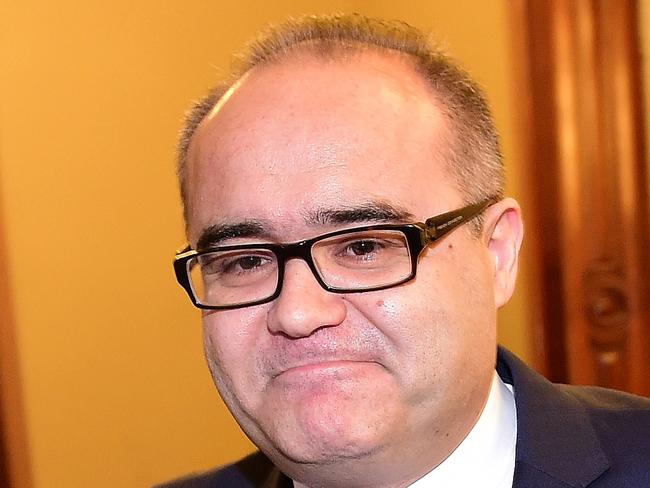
[(374, 211), (216, 233)]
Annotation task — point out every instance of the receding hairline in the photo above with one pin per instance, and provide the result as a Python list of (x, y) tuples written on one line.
[(405, 78), (414, 87), (312, 51)]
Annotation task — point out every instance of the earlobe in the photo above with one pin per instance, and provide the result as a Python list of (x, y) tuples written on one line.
[(504, 237)]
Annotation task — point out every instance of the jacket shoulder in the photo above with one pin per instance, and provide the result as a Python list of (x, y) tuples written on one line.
[(604, 400), (621, 422)]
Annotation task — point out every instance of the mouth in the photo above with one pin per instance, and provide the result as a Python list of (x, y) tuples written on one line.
[(324, 369)]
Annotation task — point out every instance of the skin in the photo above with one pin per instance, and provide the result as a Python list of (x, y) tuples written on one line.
[(370, 389)]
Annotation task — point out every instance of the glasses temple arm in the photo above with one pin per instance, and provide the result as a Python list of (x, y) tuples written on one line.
[(186, 248), (438, 226)]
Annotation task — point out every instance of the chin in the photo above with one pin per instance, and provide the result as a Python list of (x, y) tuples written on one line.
[(327, 450), (323, 431)]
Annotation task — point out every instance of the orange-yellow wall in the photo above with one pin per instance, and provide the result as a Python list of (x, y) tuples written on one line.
[(91, 94)]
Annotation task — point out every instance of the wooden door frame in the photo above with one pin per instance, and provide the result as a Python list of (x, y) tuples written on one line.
[(580, 111)]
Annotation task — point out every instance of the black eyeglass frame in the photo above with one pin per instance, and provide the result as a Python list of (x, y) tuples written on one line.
[(418, 236)]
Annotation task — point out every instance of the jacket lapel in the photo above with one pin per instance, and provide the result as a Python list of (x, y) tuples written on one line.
[(556, 444)]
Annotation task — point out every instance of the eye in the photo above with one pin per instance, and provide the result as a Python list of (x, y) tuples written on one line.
[(236, 263), (243, 264), (362, 248), (246, 263)]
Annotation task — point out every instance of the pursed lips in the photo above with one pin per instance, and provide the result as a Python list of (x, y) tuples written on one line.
[(323, 364)]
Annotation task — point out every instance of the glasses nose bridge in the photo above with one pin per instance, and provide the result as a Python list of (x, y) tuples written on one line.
[(300, 250), (297, 250)]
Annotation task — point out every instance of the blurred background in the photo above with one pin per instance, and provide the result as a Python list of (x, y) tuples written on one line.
[(103, 381)]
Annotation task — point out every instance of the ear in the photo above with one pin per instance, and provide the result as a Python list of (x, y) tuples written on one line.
[(504, 233)]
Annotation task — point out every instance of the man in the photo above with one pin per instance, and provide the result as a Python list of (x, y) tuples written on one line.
[(350, 245)]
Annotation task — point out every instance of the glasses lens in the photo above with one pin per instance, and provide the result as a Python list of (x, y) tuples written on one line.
[(236, 277), (363, 260)]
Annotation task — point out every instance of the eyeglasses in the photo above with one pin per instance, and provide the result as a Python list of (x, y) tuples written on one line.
[(355, 260)]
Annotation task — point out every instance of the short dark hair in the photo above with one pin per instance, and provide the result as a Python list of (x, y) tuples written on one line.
[(474, 156)]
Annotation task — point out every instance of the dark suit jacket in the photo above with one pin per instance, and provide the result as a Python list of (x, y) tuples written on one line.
[(567, 436)]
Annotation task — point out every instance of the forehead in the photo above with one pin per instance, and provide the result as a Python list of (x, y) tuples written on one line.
[(311, 133)]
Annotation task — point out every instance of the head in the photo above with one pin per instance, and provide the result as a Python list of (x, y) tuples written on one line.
[(336, 123)]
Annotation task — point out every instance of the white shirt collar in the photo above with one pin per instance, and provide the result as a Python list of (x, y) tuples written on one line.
[(486, 457)]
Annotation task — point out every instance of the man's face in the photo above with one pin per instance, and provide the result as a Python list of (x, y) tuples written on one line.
[(317, 377)]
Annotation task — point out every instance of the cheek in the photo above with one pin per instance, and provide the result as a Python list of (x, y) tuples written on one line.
[(410, 322), (231, 339), (436, 322)]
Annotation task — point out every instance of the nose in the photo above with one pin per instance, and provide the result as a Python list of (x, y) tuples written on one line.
[(303, 305)]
